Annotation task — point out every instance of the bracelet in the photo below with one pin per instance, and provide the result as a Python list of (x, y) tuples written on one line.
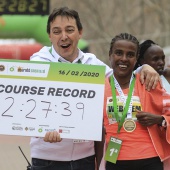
[(164, 123)]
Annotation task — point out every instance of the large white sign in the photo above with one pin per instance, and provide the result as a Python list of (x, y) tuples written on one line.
[(67, 98)]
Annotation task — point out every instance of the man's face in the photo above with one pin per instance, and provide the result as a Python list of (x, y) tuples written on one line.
[(64, 36)]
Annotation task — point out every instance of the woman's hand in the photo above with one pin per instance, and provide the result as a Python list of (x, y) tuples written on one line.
[(52, 137), (148, 119)]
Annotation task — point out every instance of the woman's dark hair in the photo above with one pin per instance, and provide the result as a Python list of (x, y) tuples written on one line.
[(124, 36), (143, 48), (64, 11)]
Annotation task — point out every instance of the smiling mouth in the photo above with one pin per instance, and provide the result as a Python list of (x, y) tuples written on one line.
[(65, 46), (122, 66)]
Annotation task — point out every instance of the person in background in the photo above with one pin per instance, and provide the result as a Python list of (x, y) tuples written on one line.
[(51, 152), (136, 121), (153, 55)]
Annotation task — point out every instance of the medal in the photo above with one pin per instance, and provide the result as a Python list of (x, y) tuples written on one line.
[(129, 125)]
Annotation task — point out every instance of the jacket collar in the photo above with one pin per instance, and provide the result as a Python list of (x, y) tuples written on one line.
[(81, 56)]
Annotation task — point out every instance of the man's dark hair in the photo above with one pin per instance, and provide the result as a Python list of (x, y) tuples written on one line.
[(64, 11)]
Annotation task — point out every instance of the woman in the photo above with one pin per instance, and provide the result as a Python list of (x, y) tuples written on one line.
[(153, 55), (136, 121)]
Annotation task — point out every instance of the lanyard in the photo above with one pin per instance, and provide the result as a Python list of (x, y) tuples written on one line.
[(122, 96), (50, 50), (126, 106)]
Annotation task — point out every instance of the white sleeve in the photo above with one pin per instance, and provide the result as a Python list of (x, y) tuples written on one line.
[(109, 71), (138, 70)]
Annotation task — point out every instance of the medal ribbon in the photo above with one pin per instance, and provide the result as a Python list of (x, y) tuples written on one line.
[(126, 107)]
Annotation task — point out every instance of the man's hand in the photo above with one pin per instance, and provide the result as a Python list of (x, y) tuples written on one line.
[(149, 76), (52, 137), (148, 119)]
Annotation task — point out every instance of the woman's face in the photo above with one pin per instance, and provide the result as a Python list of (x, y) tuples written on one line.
[(155, 57), (123, 58)]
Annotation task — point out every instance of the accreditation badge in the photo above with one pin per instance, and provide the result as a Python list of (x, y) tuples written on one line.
[(129, 125), (113, 149)]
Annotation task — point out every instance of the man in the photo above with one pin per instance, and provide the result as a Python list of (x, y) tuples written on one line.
[(65, 29)]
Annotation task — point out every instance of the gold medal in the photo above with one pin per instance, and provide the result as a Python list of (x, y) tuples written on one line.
[(129, 125)]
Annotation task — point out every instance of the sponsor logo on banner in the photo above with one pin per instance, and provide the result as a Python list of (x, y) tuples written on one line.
[(17, 128), (24, 69), (2, 67)]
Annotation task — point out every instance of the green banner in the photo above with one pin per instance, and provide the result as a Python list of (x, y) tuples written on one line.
[(51, 71)]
